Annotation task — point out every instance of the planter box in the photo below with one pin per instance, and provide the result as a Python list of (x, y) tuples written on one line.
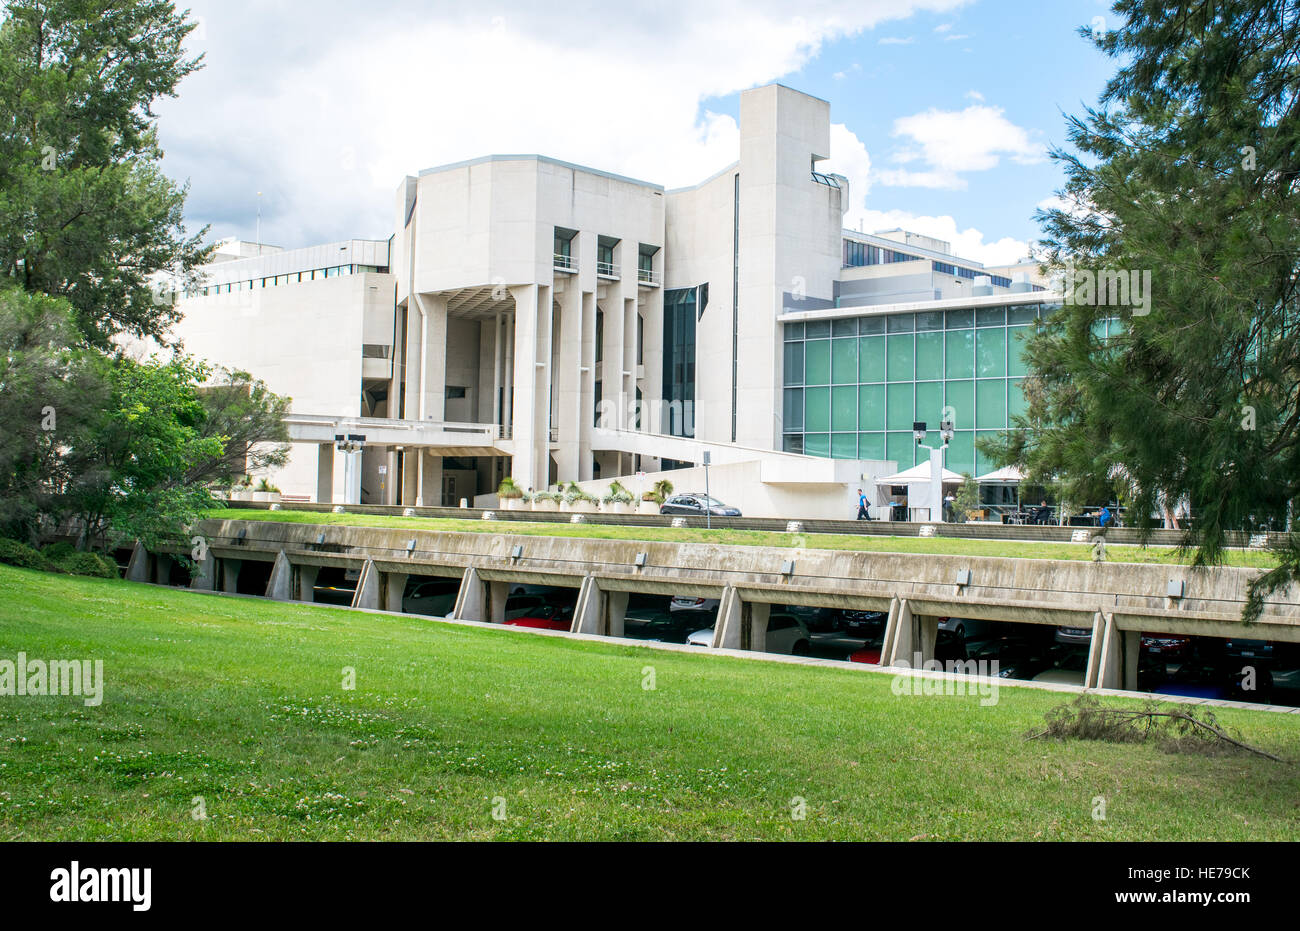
[(648, 507), (618, 507), (546, 505), (582, 507), (266, 496), (512, 504), (241, 494)]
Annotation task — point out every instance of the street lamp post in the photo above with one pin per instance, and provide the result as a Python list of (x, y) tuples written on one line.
[(919, 429), (708, 498)]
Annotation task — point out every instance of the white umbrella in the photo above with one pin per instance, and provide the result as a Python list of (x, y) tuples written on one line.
[(1007, 475)]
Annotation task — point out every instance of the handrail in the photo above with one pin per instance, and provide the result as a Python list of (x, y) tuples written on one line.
[(565, 262), (607, 269)]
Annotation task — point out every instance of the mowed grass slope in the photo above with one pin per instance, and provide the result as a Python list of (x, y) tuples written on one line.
[(240, 702), (1020, 549)]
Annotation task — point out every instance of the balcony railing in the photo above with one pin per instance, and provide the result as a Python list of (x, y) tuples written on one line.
[(648, 276), (565, 263), (606, 270)]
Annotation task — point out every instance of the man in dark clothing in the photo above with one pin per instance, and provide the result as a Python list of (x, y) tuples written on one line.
[(862, 506)]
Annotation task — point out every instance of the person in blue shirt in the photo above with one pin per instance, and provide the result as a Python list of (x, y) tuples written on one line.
[(862, 506), (1104, 518)]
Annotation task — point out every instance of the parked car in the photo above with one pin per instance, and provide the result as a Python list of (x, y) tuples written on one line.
[(785, 634), (1070, 668), (520, 605), (1195, 679), (1017, 657), (545, 617), (1168, 648), (964, 628), (697, 504), (863, 623), (432, 598), (1074, 635), (870, 652), (661, 626), (688, 603), (332, 594), (1248, 652), (817, 620)]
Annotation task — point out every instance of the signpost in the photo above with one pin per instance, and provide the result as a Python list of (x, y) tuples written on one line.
[(708, 498)]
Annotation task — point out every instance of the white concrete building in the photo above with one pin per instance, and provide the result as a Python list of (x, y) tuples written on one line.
[(539, 319)]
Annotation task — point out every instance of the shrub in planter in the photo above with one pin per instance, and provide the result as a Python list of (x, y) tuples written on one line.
[(265, 491), (14, 553), (242, 490), (575, 499), (619, 500), (509, 494), (546, 501), (662, 491)]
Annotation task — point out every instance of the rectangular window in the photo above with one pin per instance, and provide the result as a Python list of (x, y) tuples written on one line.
[(818, 329), (793, 412), (793, 331), (871, 326), (929, 401), (960, 457), (794, 363), (817, 444), (929, 355), (991, 403), (901, 349), (844, 446), (844, 408), (960, 396), (845, 327), (990, 352), (871, 446), (817, 362), (959, 353), (901, 447), (817, 410), (1017, 338), (844, 361), (899, 407), (871, 407), (900, 323), (871, 358)]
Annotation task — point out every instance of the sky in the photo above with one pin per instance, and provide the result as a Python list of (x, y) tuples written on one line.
[(943, 111)]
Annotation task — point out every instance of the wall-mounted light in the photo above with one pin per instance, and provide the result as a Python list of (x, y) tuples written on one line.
[(640, 560), (1175, 588), (410, 546), (963, 578), (787, 567), (517, 551)]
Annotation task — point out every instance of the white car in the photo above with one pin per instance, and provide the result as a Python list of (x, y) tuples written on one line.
[(785, 634), (691, 603), (964, 627)]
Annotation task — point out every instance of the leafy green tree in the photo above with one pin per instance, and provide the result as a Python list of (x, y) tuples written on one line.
[(1187, 170), (85, 212), (248, 418)]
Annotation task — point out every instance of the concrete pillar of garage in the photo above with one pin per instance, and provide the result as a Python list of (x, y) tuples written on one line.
[(137, 570), (307, 582), (369, 590), (497, 593), (394, 589), (280, 585), (230, 574), (727, 632), (599, 611), (1118, 654), (757, 614), (206, 579), (471, 597), (1092, 675), (909, 638), (1132, 648)]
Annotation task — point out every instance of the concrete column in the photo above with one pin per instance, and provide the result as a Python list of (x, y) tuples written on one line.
[(411, 476), (433, 355), (586, 612), (280, 585), (497, 593), (368, 587), (230, 574), (206, 579), (1132, 650), (471, 597), (587, 386), (162, 569), (1092, 673), (394, 589), (325, 473), (430, 481), (137, 570), (727, 631), (903, 635), (568, 382), (307, 582), (532, 343), (759, 613), (1110, 661)]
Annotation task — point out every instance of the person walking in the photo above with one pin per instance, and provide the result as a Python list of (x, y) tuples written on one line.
[(863, 513)]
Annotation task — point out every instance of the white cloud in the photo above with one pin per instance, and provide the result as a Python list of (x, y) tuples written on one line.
[(975, 95), (955, 37), (967, 243), (326, 113), (895, 40), (953, 142), (943, 27)]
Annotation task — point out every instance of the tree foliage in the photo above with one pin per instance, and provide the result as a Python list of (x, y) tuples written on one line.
[(85, 212), (1186, 169)]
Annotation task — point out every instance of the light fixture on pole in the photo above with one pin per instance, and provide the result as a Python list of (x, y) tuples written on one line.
[(919, 430), (708, 498)]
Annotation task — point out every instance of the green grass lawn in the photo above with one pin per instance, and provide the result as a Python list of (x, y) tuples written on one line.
[(241, 702), (825, 541)]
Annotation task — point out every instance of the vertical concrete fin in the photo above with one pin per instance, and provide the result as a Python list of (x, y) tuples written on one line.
[(1092, 676), (137, 570), (206, 579), (469, 600), (726, 632), (891, 633), (1110, 666), (905, 640), (367, 595), (280, 585), (586, 614)]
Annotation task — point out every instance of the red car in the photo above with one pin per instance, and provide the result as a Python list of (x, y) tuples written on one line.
[(868, 654), (544, 617), (1166, 646)]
